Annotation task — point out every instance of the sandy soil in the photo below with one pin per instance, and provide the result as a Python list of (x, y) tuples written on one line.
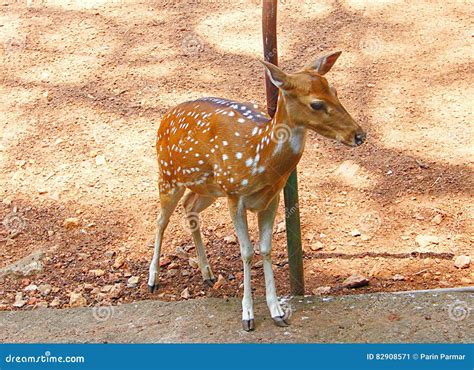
[(83, 86)]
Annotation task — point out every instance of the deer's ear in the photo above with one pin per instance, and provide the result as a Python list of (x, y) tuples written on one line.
[(324, 64), (279, 78)]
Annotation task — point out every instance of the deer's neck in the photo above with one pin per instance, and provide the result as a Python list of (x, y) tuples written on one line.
[(288, 140)]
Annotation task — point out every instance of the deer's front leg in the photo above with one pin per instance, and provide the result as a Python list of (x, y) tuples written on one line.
[(239, 218), (266, 219)]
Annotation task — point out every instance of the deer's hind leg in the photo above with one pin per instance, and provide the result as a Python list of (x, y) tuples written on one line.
[(194, 204), (168, 203)]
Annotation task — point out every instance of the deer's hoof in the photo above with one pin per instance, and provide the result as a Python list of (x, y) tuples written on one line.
[(248, 325), (153, 288), (210, 282), (280, 321)]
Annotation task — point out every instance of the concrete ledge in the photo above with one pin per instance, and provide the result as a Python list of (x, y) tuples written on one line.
[(390, 318)]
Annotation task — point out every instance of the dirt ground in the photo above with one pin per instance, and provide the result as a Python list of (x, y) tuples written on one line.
[(83, 87)]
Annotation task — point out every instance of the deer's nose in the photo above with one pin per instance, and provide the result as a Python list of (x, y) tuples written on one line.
[(359, 138)]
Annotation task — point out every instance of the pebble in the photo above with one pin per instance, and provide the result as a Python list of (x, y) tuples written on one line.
[(424, 241), (97, 272), (316, 246), (171, 273), (193, 263), (230, 239), (19, 301), (109, 254), (462, 262), (44, 289), (77, 300), (88, 287), (106, 289), (398, 277), (173, 266), (355, 232), (258, 264), (116, 291), (55, 302), (119, 262), (437, 219), (321, 290), (281, 227), (70, 223), (164, 261), (355, 281), (185, 294), (181, 253), (100, 160), (220, 282), (132, 282), (31, 288), (41, 305)]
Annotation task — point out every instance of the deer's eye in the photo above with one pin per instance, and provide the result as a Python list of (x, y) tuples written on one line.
[(318, 105)]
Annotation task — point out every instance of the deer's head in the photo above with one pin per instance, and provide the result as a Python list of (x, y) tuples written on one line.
[(312, 102)]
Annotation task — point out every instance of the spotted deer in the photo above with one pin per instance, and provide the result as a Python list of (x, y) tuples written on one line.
[(220, 148)]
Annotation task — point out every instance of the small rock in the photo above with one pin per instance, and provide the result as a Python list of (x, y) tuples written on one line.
[(19, 301), (29, 265), (281, 227), (109, 254), (258, 264), (355, 281), (437, 219), (55, 302), (230, 239), (41, 305), (171, 273), (119, 262), (181, 253), (106, 288), (97, 272), (355, 232), (398, 277), (316, 246), (132, 282), (164, 261), (70, 223), (116, 291), (185, 294), (462, 262), (424, 241), (220, 282), (100, 160), (88, 287), (31, 288), (173, 266), (322, 290), (193, 262), (44, 289), (77, 300)]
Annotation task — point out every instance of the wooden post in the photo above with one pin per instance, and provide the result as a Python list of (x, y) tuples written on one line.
[(292, 211)]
